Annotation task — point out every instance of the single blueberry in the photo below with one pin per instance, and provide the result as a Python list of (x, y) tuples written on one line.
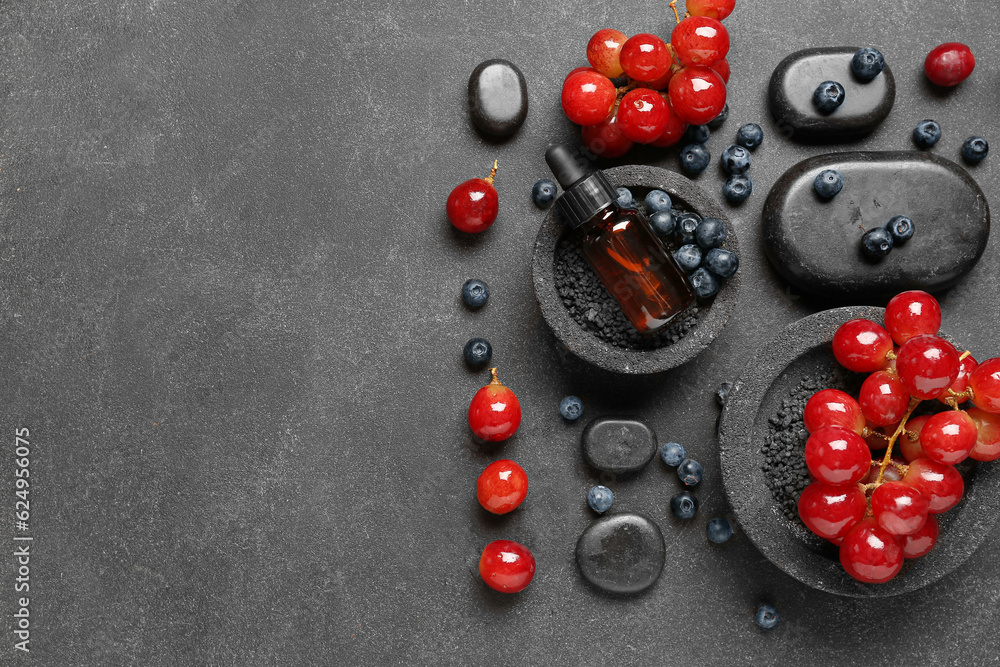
[(687, 225), (672, 454), (475, 293), (722, 262), (901, 229), (478, 352), (657, 200), (704, 283), (717, 122), (625, 198), (867, 64), (767, 617), (736, 159), (571, 408), (722, 393), (663, 223), (690, 472), (926, 133), (877, 243), (737, 188), (828, 183), (696, 134), (711, 233), (600, 498), (684, 505), (974, 150), (719, 530), (543, 193), (829, 96), (688, 257), (695, 159), (750, 136)]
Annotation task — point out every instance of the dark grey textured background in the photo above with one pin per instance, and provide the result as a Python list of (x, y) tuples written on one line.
[(231, 321)]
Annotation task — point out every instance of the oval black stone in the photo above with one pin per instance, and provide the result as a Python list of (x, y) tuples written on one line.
[(498, 97), (619, 446), (815, 244), (622, 553), (790, 96)]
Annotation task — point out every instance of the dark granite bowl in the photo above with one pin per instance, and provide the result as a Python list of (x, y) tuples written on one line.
[(712, 316), (801, 350)]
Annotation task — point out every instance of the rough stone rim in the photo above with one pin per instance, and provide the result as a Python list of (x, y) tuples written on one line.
[(592, 349), (789, 547)]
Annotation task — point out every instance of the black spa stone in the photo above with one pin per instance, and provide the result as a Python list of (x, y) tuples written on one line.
[(790, 96), (622, 553), (815, 244), (619, 446), (498, 98)]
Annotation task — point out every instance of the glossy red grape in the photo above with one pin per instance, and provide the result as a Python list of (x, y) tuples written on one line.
[(831, 511), (697, 95), (891, 473), (988, 435), (700, 40), (941, 485), (832, 407), (948, 437), (494, 412), (985, 385), (861, 346), (910, 314), (835, 455), (506, 566), (722, 68), (921, 542), (603, 49), (606, 139), (949, 64), (909, 447), (502, 486), (961, 383), (927, 365), (871, 554), (473, 205), (716, 9), (883, 399), (579, 69), (899, 508), (643, 115), (673, 130), (587, 97), (645, 57)]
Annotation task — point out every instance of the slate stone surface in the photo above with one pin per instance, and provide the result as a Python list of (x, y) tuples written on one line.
[(231, 320)]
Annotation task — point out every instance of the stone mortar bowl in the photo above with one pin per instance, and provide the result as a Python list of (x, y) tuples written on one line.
[(584, 344)]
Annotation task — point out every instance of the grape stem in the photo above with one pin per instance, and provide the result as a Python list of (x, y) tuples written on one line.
[(887, 459), (964, 355), (493, 174), (890, 355), (493, 376), (673, 6)]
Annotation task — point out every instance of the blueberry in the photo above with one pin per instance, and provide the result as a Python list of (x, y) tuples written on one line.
[(722, 262), (974, 150), (877, 243), (867, 64), (475, 293), (600, 498), (829, 96), (543, 193), (926, 133), (672, 454), (750, 136), (696, 134), (719, 530), (688, 257), (478, 352), (690, 472), (736, 159), (663, 223), (711, 233), (722, 393), (901, 229), (828, 183), (684, 505), (717, 122), (625, 198), (571, 408), (695, 159), (737, 188), (687, 225), (657, 200), (767, 617), (704, 283)]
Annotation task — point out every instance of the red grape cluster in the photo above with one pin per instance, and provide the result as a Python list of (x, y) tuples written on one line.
[(668, 85), (882, 511)]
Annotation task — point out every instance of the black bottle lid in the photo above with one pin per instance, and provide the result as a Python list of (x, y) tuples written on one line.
[(584, 193)]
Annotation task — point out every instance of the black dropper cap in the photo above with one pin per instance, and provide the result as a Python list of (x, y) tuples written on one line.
[(584, 194)]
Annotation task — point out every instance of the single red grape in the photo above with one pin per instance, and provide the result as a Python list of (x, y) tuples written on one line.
[(587, 97), (891, 474), (831, 511), (871, 554), (700, 40), (921, 542), (494, 412), (506, 566), (606, 139), (673, 131), (473, 204), (716, 9), (722, 68), (909, 447), (988, 435), (832, 407), (579, 69), (697, 94), (861, 346), (899, 508), (645, 57), (603, 49), (949, 64), (985, 385), (883, 399), (941, 484), (948, 437), (928, 365), (837, 456), (912, 313), (502, 486), (961, 383), (643, 115)]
